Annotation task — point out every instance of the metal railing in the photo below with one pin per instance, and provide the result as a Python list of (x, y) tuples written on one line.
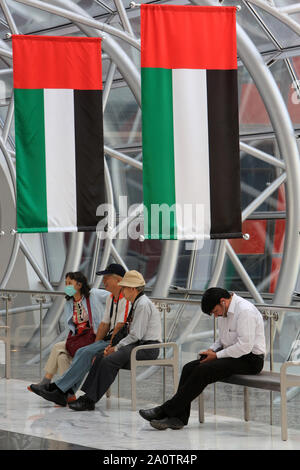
[(268, 311), (7, 295)]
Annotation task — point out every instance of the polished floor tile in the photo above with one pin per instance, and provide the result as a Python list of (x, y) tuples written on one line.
[(114, 426), (16, 441)]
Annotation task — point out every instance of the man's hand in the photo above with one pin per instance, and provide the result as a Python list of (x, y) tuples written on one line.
[(108, 350), (211, 355), (103, 329), (118, 326)]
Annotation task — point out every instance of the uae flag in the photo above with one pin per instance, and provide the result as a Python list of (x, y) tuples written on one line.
[(190, 128), (58, 132)]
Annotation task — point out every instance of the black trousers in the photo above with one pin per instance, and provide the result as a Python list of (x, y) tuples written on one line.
[(195, 376), (105, 368)]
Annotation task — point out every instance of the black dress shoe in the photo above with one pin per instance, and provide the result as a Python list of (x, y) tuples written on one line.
[(152, 413), (162, 424), (56, 396), (83, 403)]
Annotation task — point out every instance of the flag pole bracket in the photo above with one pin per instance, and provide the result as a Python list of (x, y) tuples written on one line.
[(134, 5), (137, 5), (238, 7)]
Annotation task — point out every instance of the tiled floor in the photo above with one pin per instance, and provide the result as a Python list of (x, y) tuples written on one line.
[(114, 426)]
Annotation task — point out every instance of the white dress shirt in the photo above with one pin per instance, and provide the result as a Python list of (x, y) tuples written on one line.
[(121, 308), (241, 332)]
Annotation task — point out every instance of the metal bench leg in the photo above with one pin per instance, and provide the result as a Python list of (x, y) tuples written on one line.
[(283, 413), (133, 386), (246, 403), (201, 408), (108, 391)]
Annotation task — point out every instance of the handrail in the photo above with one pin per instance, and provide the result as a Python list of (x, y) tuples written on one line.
[(276, 308), (269, 311), (31, 292), (270, 307), (170, 300)]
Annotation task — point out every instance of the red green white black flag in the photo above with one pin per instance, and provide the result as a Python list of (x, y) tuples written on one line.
[(190, 121), (59, 132)]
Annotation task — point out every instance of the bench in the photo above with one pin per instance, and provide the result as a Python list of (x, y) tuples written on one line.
[(172, 361), (265, 380)]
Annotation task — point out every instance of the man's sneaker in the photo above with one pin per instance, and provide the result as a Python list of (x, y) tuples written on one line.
[(82, 404)]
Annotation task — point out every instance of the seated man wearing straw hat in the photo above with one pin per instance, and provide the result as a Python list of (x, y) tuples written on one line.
[(144, 328)]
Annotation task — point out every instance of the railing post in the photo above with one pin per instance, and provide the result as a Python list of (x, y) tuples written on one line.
[(164, 307), (7, 344), (271, 365), (7, 297), (41, 299), (215, 383), (274, 317), (271, 316)]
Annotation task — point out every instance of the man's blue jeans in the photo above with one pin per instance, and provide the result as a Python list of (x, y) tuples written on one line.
[(81, 364)]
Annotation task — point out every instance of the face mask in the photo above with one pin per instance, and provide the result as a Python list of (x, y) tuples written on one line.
[(70, 290)]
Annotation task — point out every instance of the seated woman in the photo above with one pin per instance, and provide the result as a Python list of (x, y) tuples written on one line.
[(77, 318)]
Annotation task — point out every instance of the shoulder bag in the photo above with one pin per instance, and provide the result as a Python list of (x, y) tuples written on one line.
[(85, 338)]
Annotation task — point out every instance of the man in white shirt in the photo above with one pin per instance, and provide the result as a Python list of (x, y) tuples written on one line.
[(240, 349)]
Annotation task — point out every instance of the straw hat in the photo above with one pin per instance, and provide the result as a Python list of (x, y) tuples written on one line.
[(132, 279)]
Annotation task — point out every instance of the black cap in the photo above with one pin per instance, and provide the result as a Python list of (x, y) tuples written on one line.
[(113, 269)]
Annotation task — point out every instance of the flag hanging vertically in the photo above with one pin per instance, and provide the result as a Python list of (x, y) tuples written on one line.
[(58, 132), (190, 121)]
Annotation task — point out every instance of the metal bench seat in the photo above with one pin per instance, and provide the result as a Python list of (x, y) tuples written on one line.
[(265, 380)]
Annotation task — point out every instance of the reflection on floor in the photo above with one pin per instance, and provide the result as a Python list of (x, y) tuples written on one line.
[(114, 426)]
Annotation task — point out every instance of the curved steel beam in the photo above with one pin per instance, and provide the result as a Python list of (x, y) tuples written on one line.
[(277, 13), (85, 19), (16, 244), (9, 18), (166, 268), (290, 9)]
